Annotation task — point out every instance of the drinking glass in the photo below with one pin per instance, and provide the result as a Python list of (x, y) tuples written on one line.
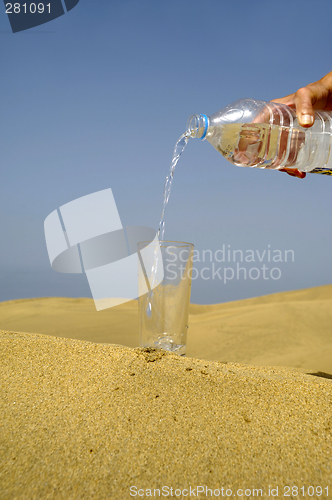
[(165, 273)]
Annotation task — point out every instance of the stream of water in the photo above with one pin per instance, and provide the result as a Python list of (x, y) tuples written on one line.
[(178, 150)]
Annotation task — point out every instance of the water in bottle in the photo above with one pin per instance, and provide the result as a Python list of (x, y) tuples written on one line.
[(262, 134)]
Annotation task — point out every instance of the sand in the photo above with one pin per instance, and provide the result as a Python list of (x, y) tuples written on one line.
[(282, 329), (82, 420), (249, 408)]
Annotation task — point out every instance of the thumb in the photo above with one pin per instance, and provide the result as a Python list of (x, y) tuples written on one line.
[(304, 108)]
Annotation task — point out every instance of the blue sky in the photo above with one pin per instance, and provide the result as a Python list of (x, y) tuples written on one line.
[(97, 99)]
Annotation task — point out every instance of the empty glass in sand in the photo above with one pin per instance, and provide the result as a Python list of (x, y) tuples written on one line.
[(164, 309)]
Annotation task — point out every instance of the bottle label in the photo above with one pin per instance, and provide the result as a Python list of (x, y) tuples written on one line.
[(325, 171)]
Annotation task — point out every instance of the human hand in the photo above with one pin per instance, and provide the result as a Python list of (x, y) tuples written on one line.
[(317, 95)]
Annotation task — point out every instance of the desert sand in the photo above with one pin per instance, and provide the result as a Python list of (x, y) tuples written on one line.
[(84, 419), (283, 329)]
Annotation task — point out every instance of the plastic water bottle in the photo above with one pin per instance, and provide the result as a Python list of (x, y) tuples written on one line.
[(251, 133)]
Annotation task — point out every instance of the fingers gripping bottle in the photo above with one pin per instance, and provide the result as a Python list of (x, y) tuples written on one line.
[(251, 133)]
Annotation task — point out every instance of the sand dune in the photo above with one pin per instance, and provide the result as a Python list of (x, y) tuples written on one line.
[(72, 318), (283, 329), (91, 420), (88, 421)]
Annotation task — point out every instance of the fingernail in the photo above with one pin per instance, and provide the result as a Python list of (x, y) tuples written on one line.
[(307, 120)]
